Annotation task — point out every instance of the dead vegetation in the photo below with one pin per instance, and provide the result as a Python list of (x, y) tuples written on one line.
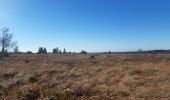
[(83, 77)]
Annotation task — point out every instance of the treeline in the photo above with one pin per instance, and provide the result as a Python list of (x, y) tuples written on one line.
[(155, 51), (141, 52), (42, 50)]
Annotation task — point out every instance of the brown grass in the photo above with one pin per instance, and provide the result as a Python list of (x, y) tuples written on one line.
[(79, 77)]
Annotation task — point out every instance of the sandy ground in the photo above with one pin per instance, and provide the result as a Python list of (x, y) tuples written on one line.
[(80, 77)]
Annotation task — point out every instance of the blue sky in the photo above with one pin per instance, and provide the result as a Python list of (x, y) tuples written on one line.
[(92, 25)]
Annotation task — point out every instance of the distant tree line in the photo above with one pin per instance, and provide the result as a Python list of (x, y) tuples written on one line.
[(6, 43), (58, 51)]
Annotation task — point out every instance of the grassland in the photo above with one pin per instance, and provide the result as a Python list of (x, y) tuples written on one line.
[(80, 77)]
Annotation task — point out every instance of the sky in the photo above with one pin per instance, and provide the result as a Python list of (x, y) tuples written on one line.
[(91, 25)]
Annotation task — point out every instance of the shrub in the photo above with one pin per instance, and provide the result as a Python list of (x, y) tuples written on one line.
[(136, 71), (92, 57), (28, 94), (6, 54), (82, 91), (27, 61), (8, 75), (29, 52), (33, 79)]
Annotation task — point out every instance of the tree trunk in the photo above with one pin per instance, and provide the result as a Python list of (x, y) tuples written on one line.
[(3, 48)]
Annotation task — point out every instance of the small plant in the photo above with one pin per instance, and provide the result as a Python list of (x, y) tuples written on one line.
[(92, 57), (27, 61), (54, 98), (136, 71), (7, 76), (28, 93), (29, 52), (33, 79), (123, 93)]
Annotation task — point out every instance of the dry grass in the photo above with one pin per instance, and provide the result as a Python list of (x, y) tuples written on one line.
[(79, 77)]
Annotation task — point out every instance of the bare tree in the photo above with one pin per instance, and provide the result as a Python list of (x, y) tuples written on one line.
[(6, 41)]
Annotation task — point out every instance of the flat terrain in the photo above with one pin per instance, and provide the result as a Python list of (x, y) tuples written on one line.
[(82, 77)]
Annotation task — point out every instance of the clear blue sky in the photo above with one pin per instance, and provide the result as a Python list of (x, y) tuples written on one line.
[(92, 25)]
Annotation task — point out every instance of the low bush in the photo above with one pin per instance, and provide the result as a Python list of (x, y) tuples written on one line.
[(92, 57), (27, 61)]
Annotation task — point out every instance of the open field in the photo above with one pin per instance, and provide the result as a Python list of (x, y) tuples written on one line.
[(80, 77)]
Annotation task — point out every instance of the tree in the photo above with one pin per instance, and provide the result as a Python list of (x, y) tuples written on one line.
[(60, 52), (16, 50), (45, 51), (83, 52), (70, 52), (64, 51), (6, 41), (40, 50), (56, 50), (109, 52)]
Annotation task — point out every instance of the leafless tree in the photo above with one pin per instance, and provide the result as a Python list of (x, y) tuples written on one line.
[(6, 41)]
